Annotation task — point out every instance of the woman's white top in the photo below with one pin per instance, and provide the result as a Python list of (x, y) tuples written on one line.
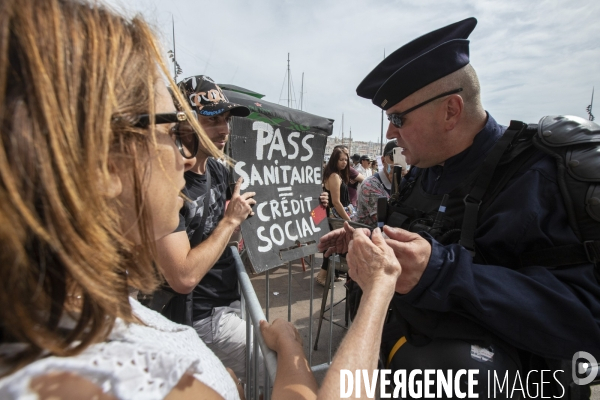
[(137, 361)]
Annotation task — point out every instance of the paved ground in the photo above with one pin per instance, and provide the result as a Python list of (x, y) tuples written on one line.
[(300, 309)]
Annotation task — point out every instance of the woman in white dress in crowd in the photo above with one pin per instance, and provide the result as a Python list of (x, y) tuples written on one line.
[(91, 168)]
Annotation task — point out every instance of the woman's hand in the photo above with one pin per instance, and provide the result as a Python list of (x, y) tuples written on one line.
[(337, 241), (280, 334), (371, 262)]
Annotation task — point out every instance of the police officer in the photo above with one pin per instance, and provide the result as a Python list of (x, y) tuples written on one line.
[(459, 303)]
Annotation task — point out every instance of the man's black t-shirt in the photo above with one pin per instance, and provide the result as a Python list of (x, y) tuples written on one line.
[(219, 287)]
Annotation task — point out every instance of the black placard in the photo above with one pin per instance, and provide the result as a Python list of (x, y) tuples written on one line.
[(284, 167)]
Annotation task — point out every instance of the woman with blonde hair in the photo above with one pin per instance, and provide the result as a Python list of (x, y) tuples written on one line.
[(91, 168)]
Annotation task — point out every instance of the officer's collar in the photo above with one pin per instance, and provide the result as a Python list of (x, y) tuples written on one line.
[(476, 153)]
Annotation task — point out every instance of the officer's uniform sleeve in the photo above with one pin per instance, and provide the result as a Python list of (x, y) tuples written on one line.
[(552, 312)]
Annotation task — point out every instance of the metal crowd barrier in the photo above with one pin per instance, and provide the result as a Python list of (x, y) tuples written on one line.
[(252, 312)]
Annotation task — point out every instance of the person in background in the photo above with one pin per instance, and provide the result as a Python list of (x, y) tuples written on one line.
[(374, 166), (355, 178), (376, 186), (355, 159), (92, 161), (365, 163), (335, 182), (359, 167)]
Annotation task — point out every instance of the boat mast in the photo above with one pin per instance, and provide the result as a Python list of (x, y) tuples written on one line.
[(381, 137), (350, 142), (288, 79), (302, 93), (342, 128)]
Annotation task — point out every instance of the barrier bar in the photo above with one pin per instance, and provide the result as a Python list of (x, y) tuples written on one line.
[(256, 314)]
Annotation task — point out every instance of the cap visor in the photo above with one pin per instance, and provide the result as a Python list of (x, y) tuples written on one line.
[(236, 110)]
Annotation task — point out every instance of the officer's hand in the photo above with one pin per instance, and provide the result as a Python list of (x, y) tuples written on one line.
[(337, 241), (324, 199), (240, 205), (413, 253), (280, 334), (372, 263)]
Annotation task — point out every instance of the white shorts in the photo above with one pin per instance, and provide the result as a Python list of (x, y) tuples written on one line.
[(224, 332)]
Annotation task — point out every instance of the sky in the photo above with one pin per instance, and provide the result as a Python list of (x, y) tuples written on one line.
[(533, 58)]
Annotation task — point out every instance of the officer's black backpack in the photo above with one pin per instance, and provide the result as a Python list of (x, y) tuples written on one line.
[(575, 144)]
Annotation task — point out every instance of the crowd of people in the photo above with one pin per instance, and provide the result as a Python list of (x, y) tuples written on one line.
[(111, 182)]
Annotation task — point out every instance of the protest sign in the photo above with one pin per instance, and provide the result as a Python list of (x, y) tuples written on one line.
[(283, 166)]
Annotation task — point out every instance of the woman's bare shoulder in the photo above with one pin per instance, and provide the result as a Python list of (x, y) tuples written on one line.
[(335, 176)]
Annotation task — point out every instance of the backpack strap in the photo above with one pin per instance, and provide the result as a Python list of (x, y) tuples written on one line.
[(474, 199)]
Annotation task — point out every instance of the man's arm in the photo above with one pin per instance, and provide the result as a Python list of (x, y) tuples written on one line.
[(182, 266), (355, 176)]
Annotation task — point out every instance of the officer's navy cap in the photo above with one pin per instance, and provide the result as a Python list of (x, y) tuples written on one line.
[(417, 64)]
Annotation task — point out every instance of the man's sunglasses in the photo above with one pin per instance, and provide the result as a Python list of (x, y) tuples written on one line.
[(187, 141), (396, 119)]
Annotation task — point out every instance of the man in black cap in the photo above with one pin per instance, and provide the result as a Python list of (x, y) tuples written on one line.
[(474, 282), (195, 258), (376, 186), (355, 160)]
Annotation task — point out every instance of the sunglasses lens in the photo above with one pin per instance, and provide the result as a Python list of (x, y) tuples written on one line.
[(187, 141), (395, 119)]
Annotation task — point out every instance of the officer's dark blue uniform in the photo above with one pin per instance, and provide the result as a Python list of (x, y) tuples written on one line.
[(553, 312)]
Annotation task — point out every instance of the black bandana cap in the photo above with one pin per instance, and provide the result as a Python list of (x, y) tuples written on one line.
[(207, 98)]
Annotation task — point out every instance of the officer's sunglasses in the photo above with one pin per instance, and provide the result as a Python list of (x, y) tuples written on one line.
[(187, 141), (396, 119)]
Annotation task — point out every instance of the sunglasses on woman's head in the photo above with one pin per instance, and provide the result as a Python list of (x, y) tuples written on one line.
[(187, 141)]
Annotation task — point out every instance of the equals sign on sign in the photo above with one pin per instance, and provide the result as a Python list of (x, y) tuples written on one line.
[(285, 191)]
